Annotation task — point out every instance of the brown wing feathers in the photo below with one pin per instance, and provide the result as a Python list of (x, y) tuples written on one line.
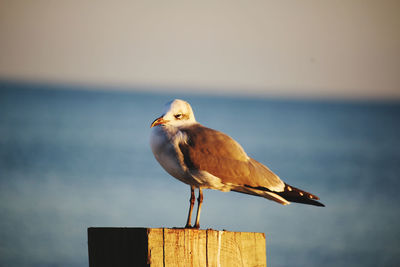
[(199, 153), (203, 151)]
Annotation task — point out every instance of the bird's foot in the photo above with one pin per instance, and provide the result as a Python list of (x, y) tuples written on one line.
[(188, 226)]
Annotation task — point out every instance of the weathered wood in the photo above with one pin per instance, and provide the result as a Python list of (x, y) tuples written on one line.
[(166, 247)]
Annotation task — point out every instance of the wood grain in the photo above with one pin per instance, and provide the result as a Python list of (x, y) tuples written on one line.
[(165, 247)]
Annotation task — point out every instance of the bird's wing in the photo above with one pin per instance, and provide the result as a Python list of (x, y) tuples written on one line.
[(212, 151)]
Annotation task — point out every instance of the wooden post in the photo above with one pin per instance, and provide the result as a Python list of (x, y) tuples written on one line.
[(166, 247)]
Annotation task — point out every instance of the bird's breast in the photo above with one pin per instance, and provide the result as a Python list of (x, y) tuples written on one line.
[(165, 151)]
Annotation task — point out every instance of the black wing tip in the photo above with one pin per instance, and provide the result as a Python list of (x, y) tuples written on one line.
[(302, 200), (307, 201), (319, 204), (293, 194)]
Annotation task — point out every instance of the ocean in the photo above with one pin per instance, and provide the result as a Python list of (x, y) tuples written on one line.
[(73, 158)]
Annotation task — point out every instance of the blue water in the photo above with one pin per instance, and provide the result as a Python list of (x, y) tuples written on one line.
[(73, 159)]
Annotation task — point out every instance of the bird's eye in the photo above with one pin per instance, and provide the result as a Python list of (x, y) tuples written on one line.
[(178, 116)]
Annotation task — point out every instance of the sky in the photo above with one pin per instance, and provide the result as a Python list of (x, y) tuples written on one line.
[(310, 48)]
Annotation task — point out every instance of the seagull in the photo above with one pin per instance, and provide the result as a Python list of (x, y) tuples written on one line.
[(205, 158)]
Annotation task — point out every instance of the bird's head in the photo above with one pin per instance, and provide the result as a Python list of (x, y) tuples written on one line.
[(177, 113)]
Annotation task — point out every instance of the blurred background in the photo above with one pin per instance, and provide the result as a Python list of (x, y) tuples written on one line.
[(309, 88)]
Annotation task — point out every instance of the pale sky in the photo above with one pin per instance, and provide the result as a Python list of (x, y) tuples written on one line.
[(307, 48)]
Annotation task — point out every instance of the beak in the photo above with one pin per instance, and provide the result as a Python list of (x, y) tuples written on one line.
[(158, 121)]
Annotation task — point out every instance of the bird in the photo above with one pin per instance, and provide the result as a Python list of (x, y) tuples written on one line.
[(205, 158)]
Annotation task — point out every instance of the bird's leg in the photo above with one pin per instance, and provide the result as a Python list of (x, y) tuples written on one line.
[(192, 199), (199, 201)]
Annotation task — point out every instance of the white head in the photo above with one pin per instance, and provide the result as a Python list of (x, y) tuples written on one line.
[(177, 113)]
